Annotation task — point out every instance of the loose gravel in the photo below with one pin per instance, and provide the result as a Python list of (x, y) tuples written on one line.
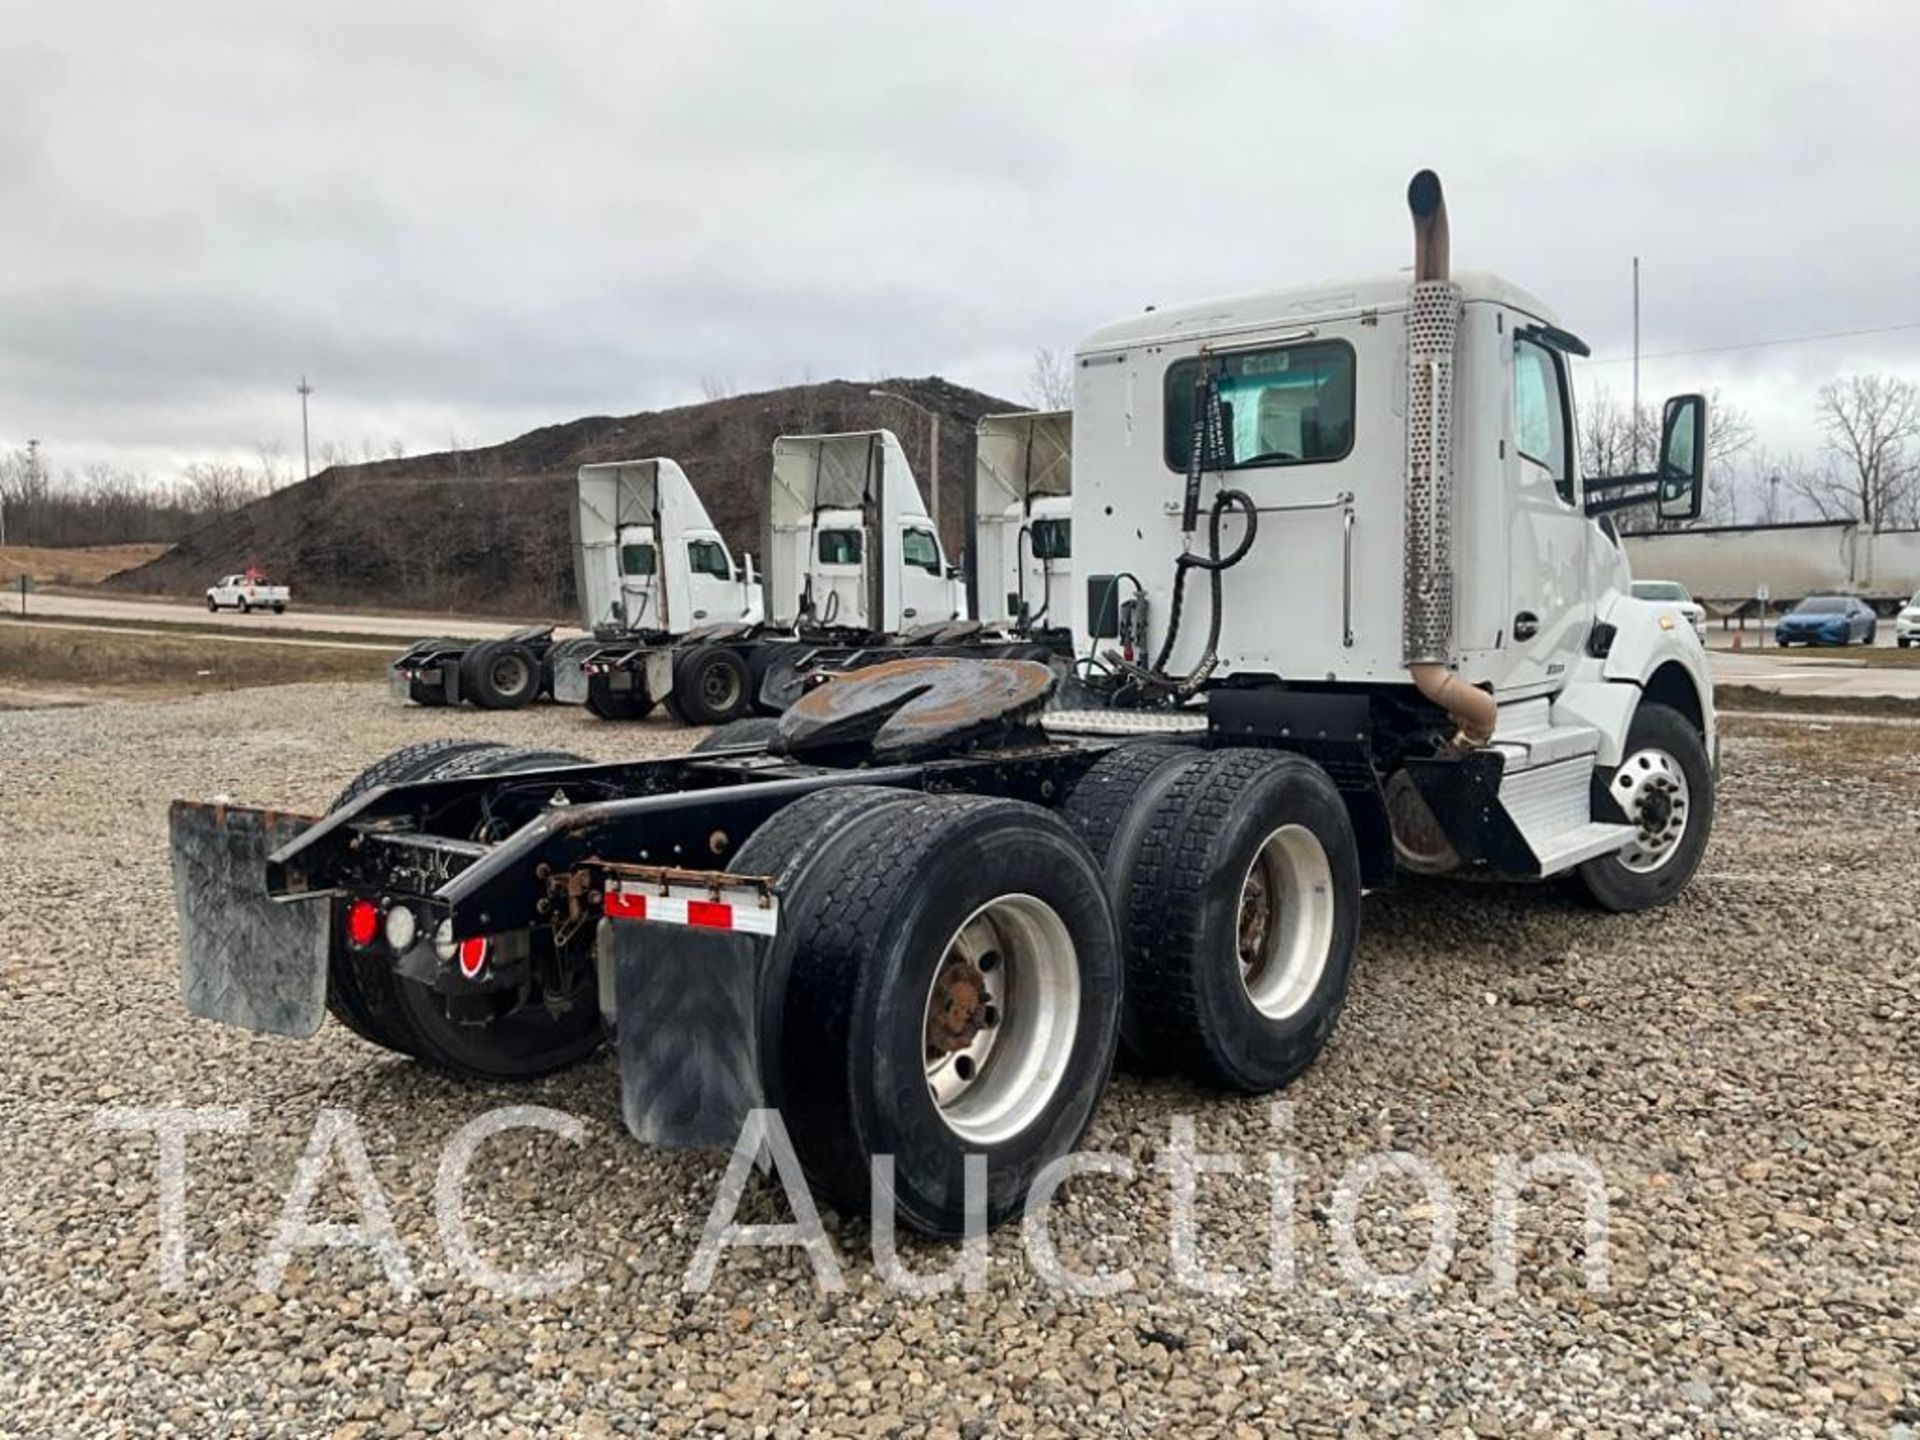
[(1740, 1067)]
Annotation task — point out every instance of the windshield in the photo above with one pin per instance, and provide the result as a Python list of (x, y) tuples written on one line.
[(1821, 605), (636, 560), (1659, 590)]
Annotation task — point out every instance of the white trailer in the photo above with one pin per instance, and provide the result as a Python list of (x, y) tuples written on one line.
[(918, 917), (1023, 520)]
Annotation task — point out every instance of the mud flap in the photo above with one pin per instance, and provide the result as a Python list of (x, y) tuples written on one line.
[(569, 680), (246, 959), (686, 1027)]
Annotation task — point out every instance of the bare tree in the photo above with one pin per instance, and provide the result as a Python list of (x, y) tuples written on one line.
[(716, 387), (1872, 428), (1050, 383)]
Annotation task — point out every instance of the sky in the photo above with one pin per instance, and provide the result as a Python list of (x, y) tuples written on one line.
[(459, 221)]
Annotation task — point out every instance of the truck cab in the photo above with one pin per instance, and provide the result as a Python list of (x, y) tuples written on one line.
[(1023, 520), (849, 543), (647, 556)]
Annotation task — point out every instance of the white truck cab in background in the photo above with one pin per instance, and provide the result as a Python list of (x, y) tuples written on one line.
[(849, 543), (647, 556), (1023, 520)]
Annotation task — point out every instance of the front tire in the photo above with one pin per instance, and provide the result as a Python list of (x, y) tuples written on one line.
[(894, 1036), (1665, 785), (1243, 919)]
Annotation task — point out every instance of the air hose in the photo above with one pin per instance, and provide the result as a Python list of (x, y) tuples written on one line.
[(1208, 442)]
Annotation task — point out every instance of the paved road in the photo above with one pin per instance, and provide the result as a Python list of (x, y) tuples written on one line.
[(1766, 670), (154, 611)]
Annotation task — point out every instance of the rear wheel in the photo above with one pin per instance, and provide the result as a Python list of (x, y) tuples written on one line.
[(952, 975), (500, 675), (246, 606), (1243, 918), (711, 685), (530, 1031), (1665, 787)]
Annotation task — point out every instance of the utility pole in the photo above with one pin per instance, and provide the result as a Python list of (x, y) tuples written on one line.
[(1635, 466), (933, 448), (306, 456)]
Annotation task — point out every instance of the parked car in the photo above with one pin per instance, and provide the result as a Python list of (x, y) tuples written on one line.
[(1672, 592), (1828, 620), (248, 591), (1906, 625)]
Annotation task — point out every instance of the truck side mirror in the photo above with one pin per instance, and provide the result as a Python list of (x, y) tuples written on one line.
[(1683, 457)]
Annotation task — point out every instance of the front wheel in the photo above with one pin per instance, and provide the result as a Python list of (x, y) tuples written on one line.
[(1664, 785), (213, 605)]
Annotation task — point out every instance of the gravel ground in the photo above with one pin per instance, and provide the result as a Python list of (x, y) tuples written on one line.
[(1741, 1068)]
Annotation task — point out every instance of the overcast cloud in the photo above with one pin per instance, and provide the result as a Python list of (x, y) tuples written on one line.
[(466, 219)]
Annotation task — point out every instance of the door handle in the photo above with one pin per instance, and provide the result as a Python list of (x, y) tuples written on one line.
[(1526, 625)]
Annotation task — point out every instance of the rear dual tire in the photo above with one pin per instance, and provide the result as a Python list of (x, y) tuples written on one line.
[(712, 684), (946, 983), (501, 675), (366, 995)]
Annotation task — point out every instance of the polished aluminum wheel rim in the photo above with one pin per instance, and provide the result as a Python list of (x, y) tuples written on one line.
[(1285, 921), (1001, 1016), (1651, 789)]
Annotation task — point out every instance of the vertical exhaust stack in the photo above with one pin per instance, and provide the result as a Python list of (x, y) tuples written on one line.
[(1433, 322)]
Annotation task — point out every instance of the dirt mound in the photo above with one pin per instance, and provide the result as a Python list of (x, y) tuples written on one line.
[(486, 531)]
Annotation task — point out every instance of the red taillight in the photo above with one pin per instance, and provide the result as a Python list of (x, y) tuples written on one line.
[(473, 956), (363, 922)]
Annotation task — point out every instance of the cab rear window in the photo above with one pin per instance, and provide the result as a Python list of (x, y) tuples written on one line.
[(1288, 405)]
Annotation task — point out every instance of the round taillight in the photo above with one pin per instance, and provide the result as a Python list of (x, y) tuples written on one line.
[(363, 922), (402, 929), (473, 956)]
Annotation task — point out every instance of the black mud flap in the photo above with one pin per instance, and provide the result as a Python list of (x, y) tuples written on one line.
[(245, 958), (1463, 792), (686, 1022)]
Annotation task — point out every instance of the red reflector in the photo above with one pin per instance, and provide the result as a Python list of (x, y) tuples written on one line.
[(625, 905), (473, 956), (710, 913), (363, 922)]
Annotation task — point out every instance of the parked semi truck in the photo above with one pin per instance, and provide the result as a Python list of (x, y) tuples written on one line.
[(1375, 626), (856, 576), (1023, 520), (649, 569)]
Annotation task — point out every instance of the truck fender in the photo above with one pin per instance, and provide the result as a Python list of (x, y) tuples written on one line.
[(1645, 659)]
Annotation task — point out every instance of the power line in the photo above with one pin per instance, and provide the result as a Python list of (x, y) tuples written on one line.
[(1763, 344)]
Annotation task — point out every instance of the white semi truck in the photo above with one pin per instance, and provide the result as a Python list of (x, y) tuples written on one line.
[(649, 569), (1023, 520), (1374, 623)]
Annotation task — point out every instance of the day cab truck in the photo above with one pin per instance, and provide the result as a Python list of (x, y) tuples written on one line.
[(650, 570), (1376, 624), (856, 576), (248, 591), (1023, 520)]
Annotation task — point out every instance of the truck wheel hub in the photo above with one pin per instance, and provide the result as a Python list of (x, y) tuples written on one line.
[(1651, 790), (1001, 1016)]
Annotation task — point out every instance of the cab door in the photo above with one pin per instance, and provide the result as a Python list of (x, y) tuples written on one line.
[(925, 592), (711, 590), (1549, 612)]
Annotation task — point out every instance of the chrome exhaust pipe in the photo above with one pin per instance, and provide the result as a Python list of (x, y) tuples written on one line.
[(1433, 322)]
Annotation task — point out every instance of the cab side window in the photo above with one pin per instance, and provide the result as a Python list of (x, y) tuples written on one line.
[(1540, 428), (708, 557), (918, 547)]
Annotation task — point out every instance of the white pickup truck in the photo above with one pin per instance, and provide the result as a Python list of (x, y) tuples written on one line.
[(248, 592)]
